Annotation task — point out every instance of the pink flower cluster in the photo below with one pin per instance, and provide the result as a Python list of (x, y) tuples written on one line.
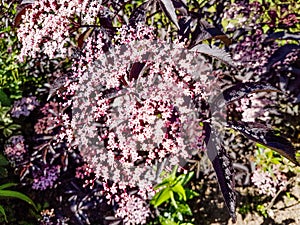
[(24, 106), (289, 59), (85, 173), (133, 209), (253, 108), (290, 20), (128, 35), (48, 25), (267, 182), (146, 119), (49, 121), (127, 122), (56, 118), (16, 149), (47, 179), (242, 14), (250, 49)]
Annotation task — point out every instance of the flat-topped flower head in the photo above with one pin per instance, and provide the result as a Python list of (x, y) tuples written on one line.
[(24, 106), (134, 107), (15, 149)]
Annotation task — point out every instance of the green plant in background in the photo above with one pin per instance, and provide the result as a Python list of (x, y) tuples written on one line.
[(271, 178), (11, 79), (3, 163), (262, 210), (170, 202), (14, 75), (4, 193), (7, 127), (266, 158), (171, 199), (7, 210)]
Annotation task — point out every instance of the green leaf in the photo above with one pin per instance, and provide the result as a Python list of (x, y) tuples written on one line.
[(179, 179), (179, 216), (162, 184), (3, 172), (14, 127), (162, 197), (212, 9), (184, 209), (187, 178), (276, 160), (179, 190), (173, 199), (165, 221), (174, 171), (190, 193), (7, 185), (3, 161), (4, 99), (16, 194), (2, 211), (7, 132)]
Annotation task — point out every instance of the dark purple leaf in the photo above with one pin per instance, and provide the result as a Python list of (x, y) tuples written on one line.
[(105, 18), (181, 7), (61, 83), (169, 9), (22, 8), (283, 36), (240, 90), (199, 34), (139, 14), (218, 34), (224, 170), (223, 167), (82, 37), (185, 23), (205, 31), (113, 220), (280, 54), (136, 70), (273, 14), (238, 33), (263, 135), (214, 52), (292, 83)]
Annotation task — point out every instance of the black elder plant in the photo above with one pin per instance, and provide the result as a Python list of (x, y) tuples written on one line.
[(72, 36)]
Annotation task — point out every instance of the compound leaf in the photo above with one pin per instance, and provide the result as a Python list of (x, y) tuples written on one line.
[(263, 135)]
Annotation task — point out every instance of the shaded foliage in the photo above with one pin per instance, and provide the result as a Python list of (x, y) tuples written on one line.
[(196, 23)]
